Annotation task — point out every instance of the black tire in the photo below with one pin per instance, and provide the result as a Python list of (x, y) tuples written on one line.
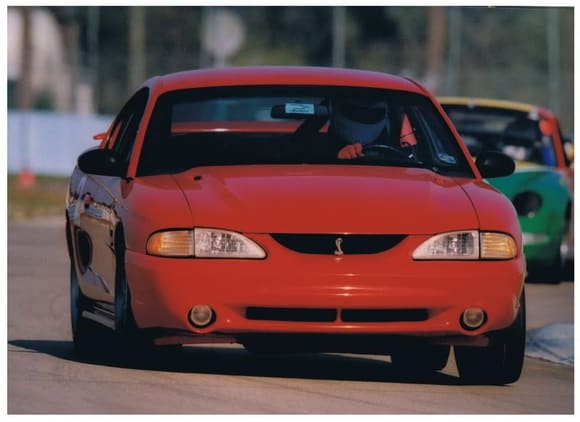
[(547, 272), (422, 358), (557, 271), (84, 331), (129, 342), (126, 335), (502, 361)]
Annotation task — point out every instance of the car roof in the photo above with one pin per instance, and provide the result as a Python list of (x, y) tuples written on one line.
[(494, 103), (281, 75)]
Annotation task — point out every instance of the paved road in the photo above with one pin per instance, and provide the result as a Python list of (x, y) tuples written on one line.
[(44, 375)]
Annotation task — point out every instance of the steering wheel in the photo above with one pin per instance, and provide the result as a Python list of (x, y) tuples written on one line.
[(381, 149)]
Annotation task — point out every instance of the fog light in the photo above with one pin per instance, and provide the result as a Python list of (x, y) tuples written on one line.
[(201, 316), (473, 318)]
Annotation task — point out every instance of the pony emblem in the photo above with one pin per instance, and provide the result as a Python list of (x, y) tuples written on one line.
[(337, 243)]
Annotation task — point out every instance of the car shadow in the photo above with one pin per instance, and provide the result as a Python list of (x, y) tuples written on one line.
[(218, 360)]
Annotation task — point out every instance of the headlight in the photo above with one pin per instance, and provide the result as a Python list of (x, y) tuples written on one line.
[(214, 243), (455, 245), (203, 243), (467, 245)]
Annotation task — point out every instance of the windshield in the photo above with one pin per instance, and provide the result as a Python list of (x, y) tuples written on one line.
[(515, 133), (297, 125)]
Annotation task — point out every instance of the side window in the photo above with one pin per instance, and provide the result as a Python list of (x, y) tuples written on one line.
[(431, 131), (125, 128)]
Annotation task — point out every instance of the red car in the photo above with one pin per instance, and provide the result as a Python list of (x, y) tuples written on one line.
[(296, 209)]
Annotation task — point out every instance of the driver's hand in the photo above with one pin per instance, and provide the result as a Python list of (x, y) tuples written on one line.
[(350, 151)]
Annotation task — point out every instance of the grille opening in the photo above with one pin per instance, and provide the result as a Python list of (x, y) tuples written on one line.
[(326, 244), (291, 314), (330, 315), (384, 315)]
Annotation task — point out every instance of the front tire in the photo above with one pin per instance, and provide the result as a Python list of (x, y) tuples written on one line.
[(84, 331), (127, 338), (499, 363), (129, 341)]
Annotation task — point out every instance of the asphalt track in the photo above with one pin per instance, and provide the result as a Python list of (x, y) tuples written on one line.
[(44, 376)]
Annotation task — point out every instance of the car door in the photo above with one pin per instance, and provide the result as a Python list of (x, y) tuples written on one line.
[(98, 206)]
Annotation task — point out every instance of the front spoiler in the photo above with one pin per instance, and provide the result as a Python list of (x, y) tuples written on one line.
[(295, 343)]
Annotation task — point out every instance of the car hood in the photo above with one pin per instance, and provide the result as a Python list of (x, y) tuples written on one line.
[(326, 199)]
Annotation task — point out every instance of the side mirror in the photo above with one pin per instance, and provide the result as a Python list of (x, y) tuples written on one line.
[(103, 162), (494, 164)]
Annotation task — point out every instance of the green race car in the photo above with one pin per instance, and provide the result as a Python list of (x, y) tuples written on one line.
[(541, 186)]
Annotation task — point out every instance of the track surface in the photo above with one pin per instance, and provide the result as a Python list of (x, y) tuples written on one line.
[(45, 376)]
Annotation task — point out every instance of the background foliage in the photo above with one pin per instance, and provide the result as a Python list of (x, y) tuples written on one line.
[(516, 53)]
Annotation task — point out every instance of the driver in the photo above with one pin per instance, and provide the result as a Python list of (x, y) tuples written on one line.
[(356, 124)]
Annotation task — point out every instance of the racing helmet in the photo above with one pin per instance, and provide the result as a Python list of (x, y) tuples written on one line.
[(355, 120)]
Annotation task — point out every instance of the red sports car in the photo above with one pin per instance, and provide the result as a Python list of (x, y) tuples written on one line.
[(296, 209)]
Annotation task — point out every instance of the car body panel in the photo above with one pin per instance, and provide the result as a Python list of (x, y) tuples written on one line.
[(543, 231), (164, 292), (267, 199)]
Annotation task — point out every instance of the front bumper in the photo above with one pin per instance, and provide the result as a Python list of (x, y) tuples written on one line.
[(164, 290)]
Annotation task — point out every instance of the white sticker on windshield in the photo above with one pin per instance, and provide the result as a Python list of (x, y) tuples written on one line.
[(295, 108), (448, 159)]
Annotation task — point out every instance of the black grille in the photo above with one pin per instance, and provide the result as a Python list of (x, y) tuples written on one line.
[(330, 315), (330, 244), (384, 315), (291, 314)]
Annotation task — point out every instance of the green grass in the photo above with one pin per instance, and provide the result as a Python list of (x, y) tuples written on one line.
[(46, 198)]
